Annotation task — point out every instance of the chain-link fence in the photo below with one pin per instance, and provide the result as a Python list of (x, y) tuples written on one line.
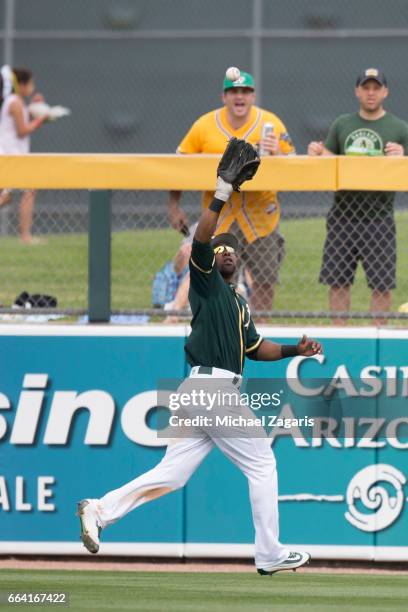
[(320, 246), (312, 257), (136, 74), (55, 263)]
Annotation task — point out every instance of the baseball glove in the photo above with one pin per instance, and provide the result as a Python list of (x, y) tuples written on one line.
[(239, 163)]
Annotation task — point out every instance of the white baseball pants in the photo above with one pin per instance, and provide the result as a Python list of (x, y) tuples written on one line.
[(252, 455)]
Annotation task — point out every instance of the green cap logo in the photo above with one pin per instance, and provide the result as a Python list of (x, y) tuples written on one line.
[(245, 80)]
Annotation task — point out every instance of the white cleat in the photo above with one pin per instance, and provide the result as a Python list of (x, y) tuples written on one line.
[(90, 529), (295, 560)]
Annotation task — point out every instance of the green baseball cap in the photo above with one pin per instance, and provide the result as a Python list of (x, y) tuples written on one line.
[(245, 80)]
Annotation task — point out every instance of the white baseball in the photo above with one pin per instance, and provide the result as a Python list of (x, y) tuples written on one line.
[(232, 73)]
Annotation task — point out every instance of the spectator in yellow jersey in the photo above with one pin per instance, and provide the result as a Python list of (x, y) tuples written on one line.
[(253, 217)]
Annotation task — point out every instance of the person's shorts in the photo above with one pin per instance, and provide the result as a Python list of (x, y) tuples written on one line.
[(371, 241), (263, 257)]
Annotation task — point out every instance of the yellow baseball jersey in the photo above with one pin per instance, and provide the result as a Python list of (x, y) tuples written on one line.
[(256, 212)]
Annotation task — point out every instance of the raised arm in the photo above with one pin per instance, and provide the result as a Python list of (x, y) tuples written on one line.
[(238, 164), (209, 217)]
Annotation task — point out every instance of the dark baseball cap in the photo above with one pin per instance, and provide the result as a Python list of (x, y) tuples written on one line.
[(372, 74), (224, 240)]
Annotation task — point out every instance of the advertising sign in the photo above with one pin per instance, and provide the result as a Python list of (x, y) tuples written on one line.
[(78, 417)]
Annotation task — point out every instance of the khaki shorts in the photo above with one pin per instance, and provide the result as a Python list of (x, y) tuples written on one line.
[(263, 257)]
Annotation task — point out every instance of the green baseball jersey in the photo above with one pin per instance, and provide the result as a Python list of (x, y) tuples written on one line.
[(353, 135), (223, 332)]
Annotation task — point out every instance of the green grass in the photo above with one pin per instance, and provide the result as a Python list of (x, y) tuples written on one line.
[(59, 267), (216, 592), (136, 257), (299, 288)]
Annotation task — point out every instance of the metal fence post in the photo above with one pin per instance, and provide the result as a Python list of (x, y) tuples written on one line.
[(8, 33), (256, 44), (99, 257)]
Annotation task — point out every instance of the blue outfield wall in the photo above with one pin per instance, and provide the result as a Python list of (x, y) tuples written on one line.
[(75, 421)]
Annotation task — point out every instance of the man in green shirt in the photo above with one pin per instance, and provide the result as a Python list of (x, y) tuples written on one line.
[(360, 224), (223, 333)]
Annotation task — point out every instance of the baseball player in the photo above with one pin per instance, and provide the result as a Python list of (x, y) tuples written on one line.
[(253, 217), (223, 334)]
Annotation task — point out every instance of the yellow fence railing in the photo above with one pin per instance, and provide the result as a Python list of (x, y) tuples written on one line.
[(197, 172)]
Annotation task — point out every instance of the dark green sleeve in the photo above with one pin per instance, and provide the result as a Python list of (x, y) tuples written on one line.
[(253, 341), (202, 267), (404, 139), (332, 140)]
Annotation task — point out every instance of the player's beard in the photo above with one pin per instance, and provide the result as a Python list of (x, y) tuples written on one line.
[(227, 266), (227, 272)]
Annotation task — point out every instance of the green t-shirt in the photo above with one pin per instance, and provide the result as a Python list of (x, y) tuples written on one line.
[(223, 332), (353, 135)]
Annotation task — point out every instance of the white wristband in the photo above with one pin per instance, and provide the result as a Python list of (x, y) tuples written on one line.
[(223, 190)]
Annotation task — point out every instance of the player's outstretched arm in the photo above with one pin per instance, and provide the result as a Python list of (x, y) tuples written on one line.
[(239, 163), (209, 217), (271, 351)]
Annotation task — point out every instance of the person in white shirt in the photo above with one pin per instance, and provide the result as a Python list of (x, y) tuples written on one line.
[(15, 130)]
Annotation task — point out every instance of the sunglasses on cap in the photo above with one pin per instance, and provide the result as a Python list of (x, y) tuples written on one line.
[(223, 248)]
